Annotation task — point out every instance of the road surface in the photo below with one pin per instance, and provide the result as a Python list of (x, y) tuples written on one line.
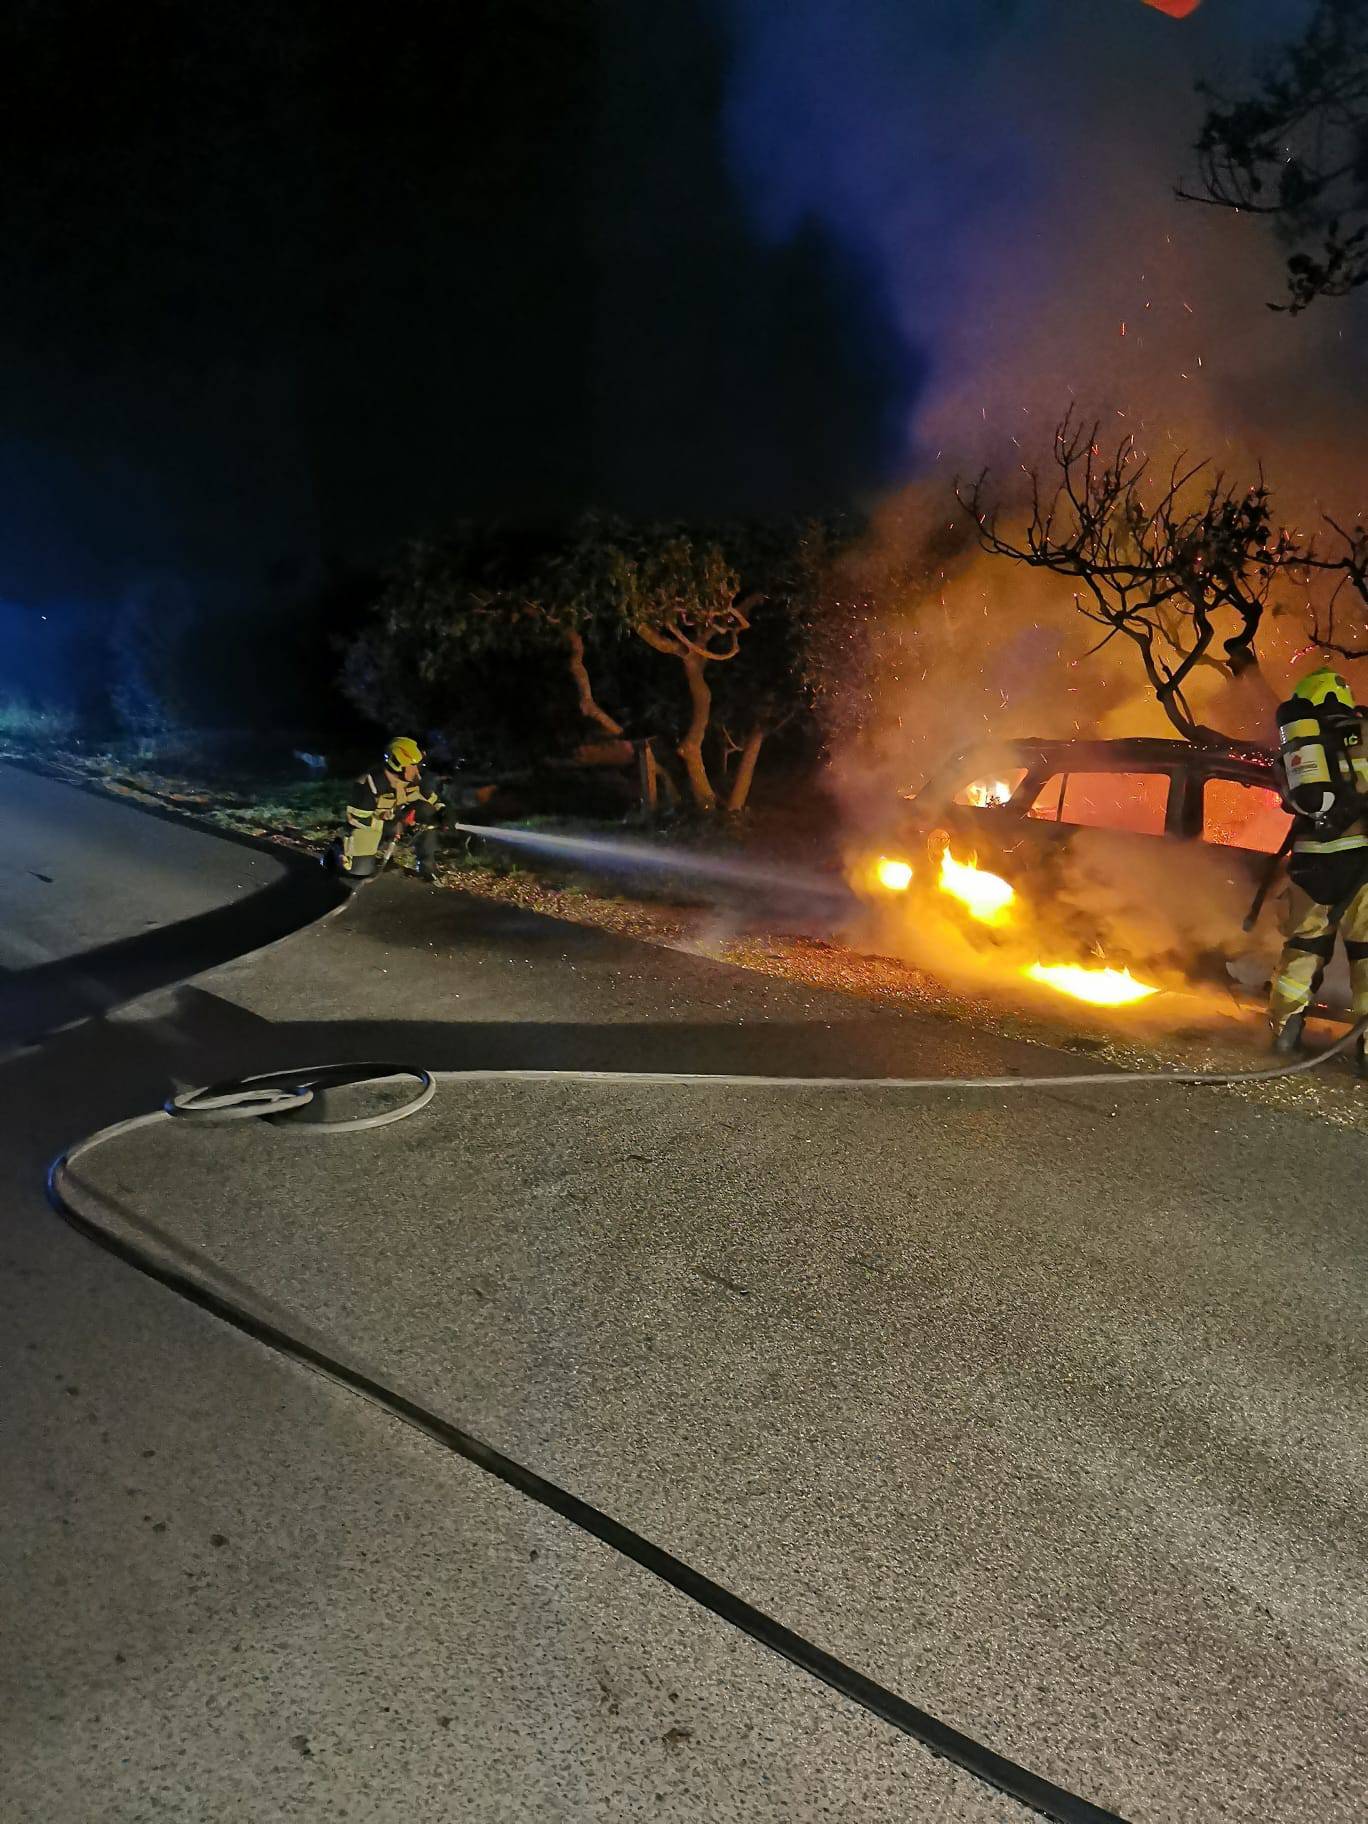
[(1047, 1412), (101, 901)]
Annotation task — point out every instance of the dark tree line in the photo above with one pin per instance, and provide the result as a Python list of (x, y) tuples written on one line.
[(680, 648)]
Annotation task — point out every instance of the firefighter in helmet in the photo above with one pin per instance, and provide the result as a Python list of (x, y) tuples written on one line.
[(1323, 763), (395, 798)]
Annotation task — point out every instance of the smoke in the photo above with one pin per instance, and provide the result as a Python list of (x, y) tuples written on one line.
[(1006, 170), (1108, 910), (1006, 167)]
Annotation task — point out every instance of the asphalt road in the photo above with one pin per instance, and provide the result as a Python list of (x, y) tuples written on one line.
[(1047, 1411), (81, 873), (100, 902)]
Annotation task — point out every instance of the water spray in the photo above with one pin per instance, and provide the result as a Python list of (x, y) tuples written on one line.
[(611, 854)]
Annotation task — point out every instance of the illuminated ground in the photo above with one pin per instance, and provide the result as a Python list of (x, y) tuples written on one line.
[(1047, 1412), (1211, 1029), (1207, 1029)]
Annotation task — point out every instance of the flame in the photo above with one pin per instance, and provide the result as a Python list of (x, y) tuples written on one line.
[(895, 875), (986, 897), (1103, 987), (990, 899), (987, 794)]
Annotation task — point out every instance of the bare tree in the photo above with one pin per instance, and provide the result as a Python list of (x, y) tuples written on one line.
[(1180, 565), (1295, 151), (1339, 619)]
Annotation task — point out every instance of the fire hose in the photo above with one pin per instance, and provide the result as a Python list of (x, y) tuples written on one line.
[(278, 1096)]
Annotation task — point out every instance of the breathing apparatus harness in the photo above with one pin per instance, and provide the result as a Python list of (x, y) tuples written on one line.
[(1321, 773), (1316, 772)]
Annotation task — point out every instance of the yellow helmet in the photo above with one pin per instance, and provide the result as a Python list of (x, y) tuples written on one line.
[(403, 751), (1321, 683)]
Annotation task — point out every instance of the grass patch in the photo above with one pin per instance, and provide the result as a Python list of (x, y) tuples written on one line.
[(23, 724), (308, 805)]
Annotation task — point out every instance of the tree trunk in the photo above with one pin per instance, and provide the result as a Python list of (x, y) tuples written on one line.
[(649, 775), (665, 778), (690, 748), (584, 689), (1169, 699), (745, 769), (1199, 733)]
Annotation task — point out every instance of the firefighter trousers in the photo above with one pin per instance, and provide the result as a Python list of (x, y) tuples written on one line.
[(1309, 930), (360, 848)]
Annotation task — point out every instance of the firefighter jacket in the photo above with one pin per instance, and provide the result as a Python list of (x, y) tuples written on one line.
[(382, 797)]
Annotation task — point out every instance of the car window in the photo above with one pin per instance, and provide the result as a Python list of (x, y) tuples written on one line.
[(1243, 816), (991, 788), (1105, 801)]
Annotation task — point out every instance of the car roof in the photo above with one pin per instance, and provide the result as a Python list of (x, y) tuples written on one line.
[(1110, 756)]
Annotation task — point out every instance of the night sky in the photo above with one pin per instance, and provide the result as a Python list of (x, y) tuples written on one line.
[(286, 282)]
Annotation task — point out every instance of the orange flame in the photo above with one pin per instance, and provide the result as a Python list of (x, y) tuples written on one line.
[(1103, 987), (990, 899), (895, 875), (988, 793), (986, 897)]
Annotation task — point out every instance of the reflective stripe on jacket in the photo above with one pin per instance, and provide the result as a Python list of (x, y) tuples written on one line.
[(1355, 837), (382, 796)]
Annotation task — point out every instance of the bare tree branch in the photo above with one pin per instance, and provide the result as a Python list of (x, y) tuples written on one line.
[(1292, 150), (1180, 574)]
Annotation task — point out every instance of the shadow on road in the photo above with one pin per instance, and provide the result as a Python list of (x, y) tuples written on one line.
[(42, 1000), (104, 1070)]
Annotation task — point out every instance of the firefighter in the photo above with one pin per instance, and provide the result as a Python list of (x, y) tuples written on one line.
[(1323, 766), (396, 797)]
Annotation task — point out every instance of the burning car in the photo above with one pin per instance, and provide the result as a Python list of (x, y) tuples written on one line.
[(1105, 869)]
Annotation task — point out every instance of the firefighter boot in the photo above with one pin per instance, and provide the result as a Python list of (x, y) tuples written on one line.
[(424, 850), (1287, 1040), (337, 862)]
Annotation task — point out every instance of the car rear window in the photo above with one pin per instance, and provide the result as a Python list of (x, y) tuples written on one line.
[(1105, 801), (1243, 816), (991, 788)]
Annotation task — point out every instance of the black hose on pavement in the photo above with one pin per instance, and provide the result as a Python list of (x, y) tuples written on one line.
[(279, 1095)]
